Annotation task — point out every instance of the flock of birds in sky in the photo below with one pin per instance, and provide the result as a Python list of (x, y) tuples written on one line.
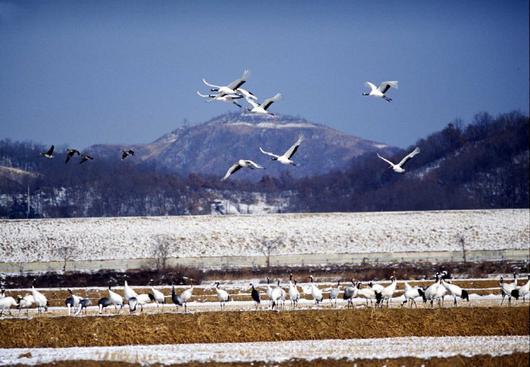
[(232, 93), (373, 293)]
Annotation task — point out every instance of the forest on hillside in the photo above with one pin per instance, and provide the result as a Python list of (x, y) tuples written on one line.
[(482, 164)]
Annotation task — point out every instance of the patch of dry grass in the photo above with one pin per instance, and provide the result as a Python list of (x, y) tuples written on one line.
[(217, 327)]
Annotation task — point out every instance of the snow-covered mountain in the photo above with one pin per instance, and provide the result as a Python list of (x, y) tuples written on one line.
[(211, 147)]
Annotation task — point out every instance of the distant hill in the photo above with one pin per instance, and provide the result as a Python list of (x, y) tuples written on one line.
[(481, 165), (213, 146)]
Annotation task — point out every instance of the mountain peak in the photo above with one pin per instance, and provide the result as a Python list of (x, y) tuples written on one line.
[(211, 147)]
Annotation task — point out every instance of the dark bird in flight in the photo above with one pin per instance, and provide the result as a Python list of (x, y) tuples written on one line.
[(49, 153), (84, 158), (70, 152), (126, 153)]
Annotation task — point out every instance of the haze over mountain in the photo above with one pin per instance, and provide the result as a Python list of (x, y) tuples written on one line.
[(213, 146)]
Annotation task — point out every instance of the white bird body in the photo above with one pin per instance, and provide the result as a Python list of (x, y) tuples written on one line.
[(398, 168), (139, 300), (315, 292), (116, 299), (242, 163), (129, 292), (376, 287), (435, 291), (276, 295), (222, 295), (158, 296), (411, 293), (186, 295), (524, 290), (72, 301), (350, 293), (380, 92), (26, 302), (334, 293), (40, 299), (388, 291), (143, 299), (294, 294), (230, 88), (286, 157), (6, 303), (455, 291), (262, 109), (368, 293), (507, 288)]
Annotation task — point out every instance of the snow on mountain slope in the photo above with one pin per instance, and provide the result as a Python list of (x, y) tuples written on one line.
[(211, 147)]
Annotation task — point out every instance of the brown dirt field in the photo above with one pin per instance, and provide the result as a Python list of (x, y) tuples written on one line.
[(513, 360), (217, 327)]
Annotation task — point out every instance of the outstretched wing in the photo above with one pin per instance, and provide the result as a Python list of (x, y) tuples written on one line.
[(269, 153), (267, 103), (239, 82), (252, 102), (247, 94), (210, 85), (124, 154), (50, 151), (290, 152), (253, 165), (386, 160), (204, 95), (236, 167), (68, 156), (385, 86), (371, 86), (410, 155)]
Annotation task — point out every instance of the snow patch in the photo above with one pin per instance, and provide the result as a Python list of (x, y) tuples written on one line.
[(276, 352)]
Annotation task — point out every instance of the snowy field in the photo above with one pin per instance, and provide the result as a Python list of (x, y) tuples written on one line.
[(199, 236), (274, 352)]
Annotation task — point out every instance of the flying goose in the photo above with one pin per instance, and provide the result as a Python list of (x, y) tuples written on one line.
[(126, 153), (84, 158), (49, 153), (70, 152), (242, 163), (227, 98), (381, 90), (286, 157), (397, 167), (230, 88), (262, 109)]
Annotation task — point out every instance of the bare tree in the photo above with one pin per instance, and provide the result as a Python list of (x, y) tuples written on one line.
[(161, 251), (462, 241), (268, 246), (66, 254)]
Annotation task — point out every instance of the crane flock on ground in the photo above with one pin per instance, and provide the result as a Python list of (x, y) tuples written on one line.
[(365, 294), (233, 93)]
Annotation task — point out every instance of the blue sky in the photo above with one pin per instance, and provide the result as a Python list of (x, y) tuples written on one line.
[(85, 72)]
